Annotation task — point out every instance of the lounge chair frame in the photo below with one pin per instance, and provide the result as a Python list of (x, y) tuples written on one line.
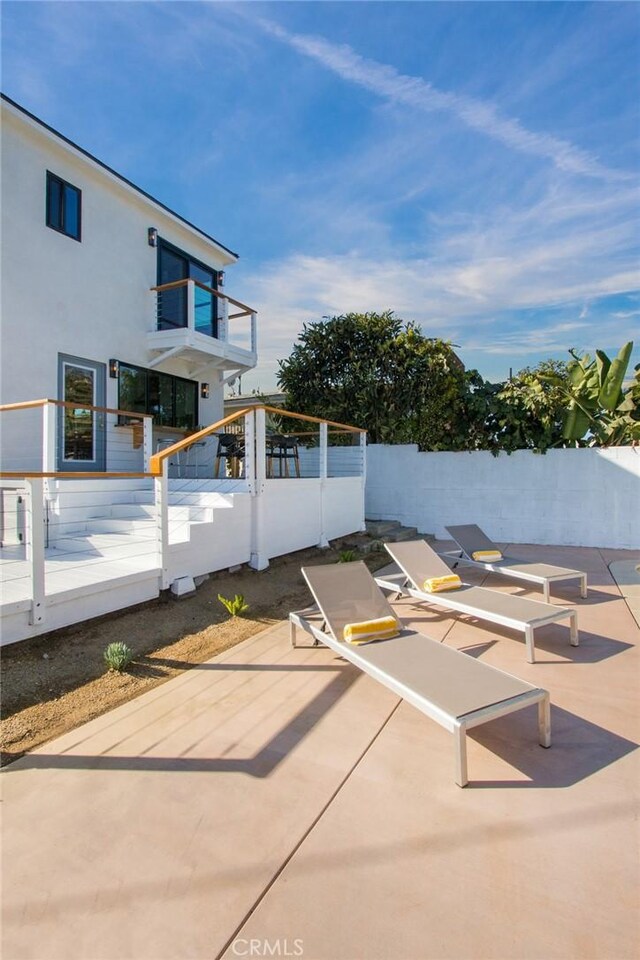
[(313, 621), (504, 568), (401, 585)]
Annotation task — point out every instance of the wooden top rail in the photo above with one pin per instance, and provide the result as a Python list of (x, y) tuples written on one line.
[(156, 461), (305, 416), (72, 475), (75, 406), (246, 310)]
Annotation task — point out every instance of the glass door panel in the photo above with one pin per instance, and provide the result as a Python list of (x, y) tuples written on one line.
[(81, 431), (205, 302), (172, 304)]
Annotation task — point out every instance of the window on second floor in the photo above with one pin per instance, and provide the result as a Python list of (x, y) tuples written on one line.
[(174, 264), (64, 206)]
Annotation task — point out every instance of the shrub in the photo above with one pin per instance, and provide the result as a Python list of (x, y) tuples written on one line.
[(347, 556), (235, 607), (118, 656)]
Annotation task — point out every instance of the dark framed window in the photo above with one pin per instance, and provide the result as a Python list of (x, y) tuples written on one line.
[(174, 264), (172, 401), (64, 207)]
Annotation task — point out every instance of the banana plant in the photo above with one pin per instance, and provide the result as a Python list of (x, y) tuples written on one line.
[(599, 411)]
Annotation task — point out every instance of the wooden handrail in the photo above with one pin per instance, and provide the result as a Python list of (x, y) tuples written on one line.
[(75, 406), (155, 462), (305, 416), (24, 405), (216, 293), (72, 475)]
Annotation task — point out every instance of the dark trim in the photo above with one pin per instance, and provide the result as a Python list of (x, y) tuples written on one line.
[(184, 255), (179, 252), (62, 229), (119, 176), (124, 421)]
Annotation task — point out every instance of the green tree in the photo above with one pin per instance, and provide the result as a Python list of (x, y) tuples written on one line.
[(600, 411), (522, 413), (375, 371)]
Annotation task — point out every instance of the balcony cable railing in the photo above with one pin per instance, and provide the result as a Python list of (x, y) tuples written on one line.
[(181, 312)]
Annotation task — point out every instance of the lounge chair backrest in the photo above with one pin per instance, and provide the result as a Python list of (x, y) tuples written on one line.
[(346, 593), (471, 538), (418, 561)]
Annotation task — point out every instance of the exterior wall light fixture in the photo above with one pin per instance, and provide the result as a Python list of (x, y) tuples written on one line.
[(152, 236), (114, 369), (204, 391)]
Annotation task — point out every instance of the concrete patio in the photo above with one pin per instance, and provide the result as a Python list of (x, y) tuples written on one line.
[(276, 802)]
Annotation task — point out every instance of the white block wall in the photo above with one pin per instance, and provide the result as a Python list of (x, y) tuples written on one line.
[(587, 497)]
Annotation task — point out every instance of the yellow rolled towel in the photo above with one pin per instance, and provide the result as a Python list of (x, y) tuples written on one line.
[(436, 584), (382, 629), (486, 556)]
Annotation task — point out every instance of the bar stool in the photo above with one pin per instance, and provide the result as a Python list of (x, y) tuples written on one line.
[(231, 451), (282, 449)]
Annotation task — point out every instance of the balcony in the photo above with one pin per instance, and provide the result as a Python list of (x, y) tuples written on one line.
[(194, 323)]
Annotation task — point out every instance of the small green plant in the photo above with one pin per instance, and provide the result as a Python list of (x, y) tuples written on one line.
[(347, 556), (118, 656), (235, 607)]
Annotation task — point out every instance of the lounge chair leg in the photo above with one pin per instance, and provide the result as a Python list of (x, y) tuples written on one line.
[(583, 587), (528, 639), (573, 629), (545, 591), (544, 721), (292, 633), (460, 734)]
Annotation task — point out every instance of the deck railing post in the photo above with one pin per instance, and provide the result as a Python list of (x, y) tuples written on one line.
[(35, 548), (161, 493), (324, 433), (363, 477), (223, 320), (254, 333), (147, 441), (191, 305), (259, 558), (49, 419)]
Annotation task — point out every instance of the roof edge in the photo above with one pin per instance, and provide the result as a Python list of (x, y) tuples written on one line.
[(115, 173)]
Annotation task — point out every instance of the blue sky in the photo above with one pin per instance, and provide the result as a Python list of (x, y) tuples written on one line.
[(474, 166)]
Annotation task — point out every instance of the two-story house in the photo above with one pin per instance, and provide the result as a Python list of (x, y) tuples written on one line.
[(84, 252)]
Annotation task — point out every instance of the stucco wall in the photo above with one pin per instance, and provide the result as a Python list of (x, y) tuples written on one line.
[(90, 299), (584, 497)]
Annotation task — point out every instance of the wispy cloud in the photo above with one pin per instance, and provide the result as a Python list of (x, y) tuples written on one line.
[(484, 117)]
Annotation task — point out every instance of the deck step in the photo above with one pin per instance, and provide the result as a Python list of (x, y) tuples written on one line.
[(380, 528), (392, 531)]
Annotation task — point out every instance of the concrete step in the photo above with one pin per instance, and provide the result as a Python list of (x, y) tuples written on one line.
[(381, 528), (403, 533), (392, 531)]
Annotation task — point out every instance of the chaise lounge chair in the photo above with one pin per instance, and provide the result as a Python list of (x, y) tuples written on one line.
[(419, 564), (452, 688), (472, 541)]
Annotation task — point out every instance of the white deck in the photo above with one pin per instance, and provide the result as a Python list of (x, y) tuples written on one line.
[(104, 555)]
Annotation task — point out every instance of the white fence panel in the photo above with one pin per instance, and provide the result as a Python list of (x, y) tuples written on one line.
[(574, 497)]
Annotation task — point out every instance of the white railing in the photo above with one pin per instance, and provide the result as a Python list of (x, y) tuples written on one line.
[(42, 429), (327, 502), (187, 304)]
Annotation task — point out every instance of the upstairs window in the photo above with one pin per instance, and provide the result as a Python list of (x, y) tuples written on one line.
[(64, 205)]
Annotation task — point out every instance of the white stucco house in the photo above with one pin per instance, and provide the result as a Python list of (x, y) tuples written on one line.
[(82, 251), (120, 473)]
